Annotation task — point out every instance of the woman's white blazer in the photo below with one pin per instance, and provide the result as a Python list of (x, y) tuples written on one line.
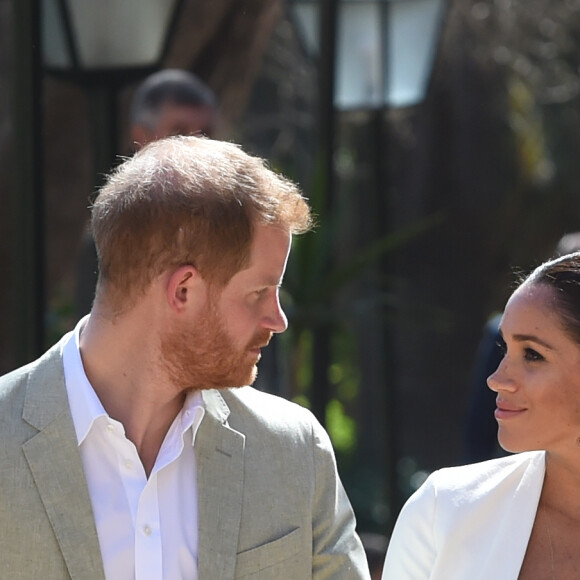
[(468, 523)]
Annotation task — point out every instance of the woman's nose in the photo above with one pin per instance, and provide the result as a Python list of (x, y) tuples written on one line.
[(500, 380)]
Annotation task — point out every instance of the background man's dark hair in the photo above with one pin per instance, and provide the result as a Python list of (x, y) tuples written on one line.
[(168, 86)]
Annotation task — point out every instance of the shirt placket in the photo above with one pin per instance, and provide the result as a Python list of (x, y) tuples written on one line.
[(148, 549), (143, 501)]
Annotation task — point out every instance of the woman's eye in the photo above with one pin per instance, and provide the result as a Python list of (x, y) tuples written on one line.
[(531, 355), (500, 342)]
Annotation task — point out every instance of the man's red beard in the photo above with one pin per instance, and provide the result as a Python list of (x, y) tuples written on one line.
[(205, 357)]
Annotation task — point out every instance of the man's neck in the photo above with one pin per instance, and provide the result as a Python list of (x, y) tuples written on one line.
[(119, 360)]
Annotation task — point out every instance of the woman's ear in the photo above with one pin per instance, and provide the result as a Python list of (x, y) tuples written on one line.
[(181, 287)]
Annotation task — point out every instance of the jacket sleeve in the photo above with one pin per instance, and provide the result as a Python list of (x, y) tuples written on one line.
[(337, 550), (412, 551)]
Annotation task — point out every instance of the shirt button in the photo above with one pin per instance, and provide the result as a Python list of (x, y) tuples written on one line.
[(147, 530), (128, 464), (110, 427)]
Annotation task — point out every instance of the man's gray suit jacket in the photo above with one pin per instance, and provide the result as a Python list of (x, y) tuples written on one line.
[(270, 501)]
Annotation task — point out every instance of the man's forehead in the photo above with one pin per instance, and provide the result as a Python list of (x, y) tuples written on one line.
[(269, 254)]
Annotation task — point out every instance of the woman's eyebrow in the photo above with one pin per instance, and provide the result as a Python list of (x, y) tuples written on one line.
[(531, 338)]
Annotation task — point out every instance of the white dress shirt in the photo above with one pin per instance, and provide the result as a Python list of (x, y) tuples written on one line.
[(147, 527)]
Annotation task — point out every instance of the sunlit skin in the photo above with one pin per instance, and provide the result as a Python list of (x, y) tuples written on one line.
[(251, 300), (538, 380), (219, 345), (538, 407)]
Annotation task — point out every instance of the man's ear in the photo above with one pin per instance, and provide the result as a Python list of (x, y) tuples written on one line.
[(182, 286)]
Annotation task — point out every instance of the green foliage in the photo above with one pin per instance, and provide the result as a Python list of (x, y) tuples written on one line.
[(340, 427), (303, 361)]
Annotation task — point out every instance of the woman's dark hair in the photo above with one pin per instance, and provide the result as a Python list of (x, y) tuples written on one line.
[(563, 276)]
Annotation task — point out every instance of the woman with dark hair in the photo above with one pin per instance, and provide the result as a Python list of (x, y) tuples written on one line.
[(517, 517)]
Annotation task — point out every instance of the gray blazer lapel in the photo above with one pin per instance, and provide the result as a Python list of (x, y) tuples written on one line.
[(220, 468), (56, 465)]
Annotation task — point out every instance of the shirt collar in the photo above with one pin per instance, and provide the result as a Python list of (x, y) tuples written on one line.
[(85, 405), (192, 413)]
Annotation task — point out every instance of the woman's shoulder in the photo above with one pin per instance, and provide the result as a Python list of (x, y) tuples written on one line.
[(480, 478), (504, 464), (475, 491), (465, 521)]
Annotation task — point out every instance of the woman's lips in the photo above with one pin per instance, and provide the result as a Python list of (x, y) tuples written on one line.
[(507, 411)]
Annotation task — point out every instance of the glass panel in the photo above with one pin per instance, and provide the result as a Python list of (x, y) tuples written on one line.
[(385, 49), (413, 27), (120, 33), (54, 47), (359, 75), (306, 15)]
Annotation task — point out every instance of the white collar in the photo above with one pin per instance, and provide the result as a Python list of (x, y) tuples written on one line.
[(85, 405)]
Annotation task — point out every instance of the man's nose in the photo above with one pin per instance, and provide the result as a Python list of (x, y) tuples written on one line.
[(276, 320)]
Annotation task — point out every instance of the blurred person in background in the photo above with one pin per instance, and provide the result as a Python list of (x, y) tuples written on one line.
[(172, 102)]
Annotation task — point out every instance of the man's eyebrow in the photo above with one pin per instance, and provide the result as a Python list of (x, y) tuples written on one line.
[(272, 281), (266, 283)]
